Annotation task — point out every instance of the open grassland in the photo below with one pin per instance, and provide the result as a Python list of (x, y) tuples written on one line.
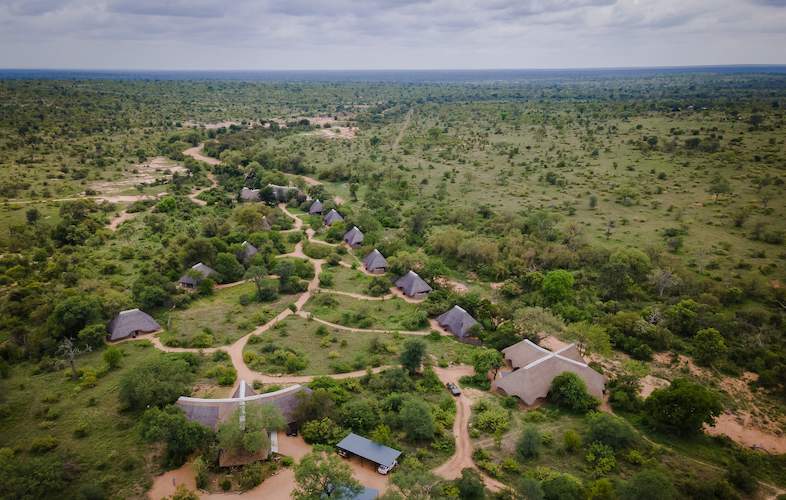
[(220, 319), (391, 314)]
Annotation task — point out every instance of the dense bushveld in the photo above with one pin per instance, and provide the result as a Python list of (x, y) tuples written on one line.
[(643, 214)]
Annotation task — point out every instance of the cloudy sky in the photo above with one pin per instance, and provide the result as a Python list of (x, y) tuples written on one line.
[(389, 34)]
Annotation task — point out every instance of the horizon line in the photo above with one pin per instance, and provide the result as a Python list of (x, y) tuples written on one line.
[(303, 70)]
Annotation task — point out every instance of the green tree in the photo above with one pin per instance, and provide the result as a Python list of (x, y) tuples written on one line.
[(228, 267), (470, 485), (246, 430), (413, 480), (419, 423), (683, 407), (562, 487), (609, 430), (589, 338), (558, 286), (602, 489), (528, 488), (709, 346), (570, 391), (319, 476), (360, 415), (170, 426), (412, 356), (649, 484), (31, 477), (74, 313), (485, 360), (92, 335), (157, 382)]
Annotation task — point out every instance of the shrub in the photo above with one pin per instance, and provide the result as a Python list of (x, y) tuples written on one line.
[(226, 483), (323, 431), (224, 375), (609, 430), (572, 440), (251, 476), (649, 484), (43, 444), (569, 391), (155, 383), (528, 446), (601, 457), (682, 407), (112, 357), (200, 472), (562, 487)]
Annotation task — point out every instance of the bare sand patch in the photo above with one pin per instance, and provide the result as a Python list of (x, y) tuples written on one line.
[(742, 428), (552, 343), (210, 126), (649, 383), (166, 484), (155, 169), (337, 132), (453, 285)]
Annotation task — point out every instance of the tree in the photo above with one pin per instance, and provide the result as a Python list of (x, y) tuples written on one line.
[(470, 485), (485, 360), (112, 357), (528, 488), (412, 356), (157, 382), (92, 335), (247, 428), (418, 421), (69, 351), (683, 407), (74, 313), (562, 487), (718, 186), (320, 476), (528, 446), (360, 415), (664, 280), (558, 285), (570, 391), (649, 484), (589, 338), (609, 430), (709, 346), (602, 489), (413, 481), (170, 426), (323, 431), (228, 267)]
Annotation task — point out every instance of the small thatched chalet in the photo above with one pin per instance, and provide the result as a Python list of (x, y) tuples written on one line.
[(131, 323), (534, 368), (375, 262), (457, 321), (354, 237), (332, 217), (247, 252), (413, 285), (316, 208), (195, 275)]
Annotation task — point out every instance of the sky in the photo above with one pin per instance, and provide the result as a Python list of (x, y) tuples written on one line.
[(388, 34)]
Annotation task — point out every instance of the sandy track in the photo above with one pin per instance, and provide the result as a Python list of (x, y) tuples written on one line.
[(196, 153)]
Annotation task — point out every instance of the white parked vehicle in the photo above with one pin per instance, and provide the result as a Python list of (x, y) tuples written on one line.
[(383, 469)]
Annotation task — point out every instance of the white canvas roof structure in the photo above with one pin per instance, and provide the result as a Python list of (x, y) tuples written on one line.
[(129, 322), (535, 368)]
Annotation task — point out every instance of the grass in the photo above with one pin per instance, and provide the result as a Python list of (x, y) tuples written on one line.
[(222, 316), (339, 351), (392, 314), (111, 455), (348, 280)]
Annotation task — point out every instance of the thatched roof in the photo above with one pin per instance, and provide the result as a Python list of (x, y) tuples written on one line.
[(247, 252), (211, 412), (316, 208), (129, 322), (374, 261), (332, 217), (247, 194), (354, 237), (457, 321), (282, 193), (202, 269), (412, 284), (535, 368)]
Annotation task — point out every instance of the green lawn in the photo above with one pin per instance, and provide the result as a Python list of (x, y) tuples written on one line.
[(222, 317), (348, 280), (392, 314)]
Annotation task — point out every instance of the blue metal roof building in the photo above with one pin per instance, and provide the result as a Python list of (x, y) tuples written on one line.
[(365, 448)]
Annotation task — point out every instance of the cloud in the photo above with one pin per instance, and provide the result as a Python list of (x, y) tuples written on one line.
[(169, 8), (771, 3)]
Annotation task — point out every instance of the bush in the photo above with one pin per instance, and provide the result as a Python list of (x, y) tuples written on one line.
[(43, 444), (562, 487), (601, 457), (112, 357), (609, 430), (156, 383), (571, 440), (569, 391), (528, 446), (200, 472), (323, 431), (682, 407), (251, 476), (648, 484), (224, 375)]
